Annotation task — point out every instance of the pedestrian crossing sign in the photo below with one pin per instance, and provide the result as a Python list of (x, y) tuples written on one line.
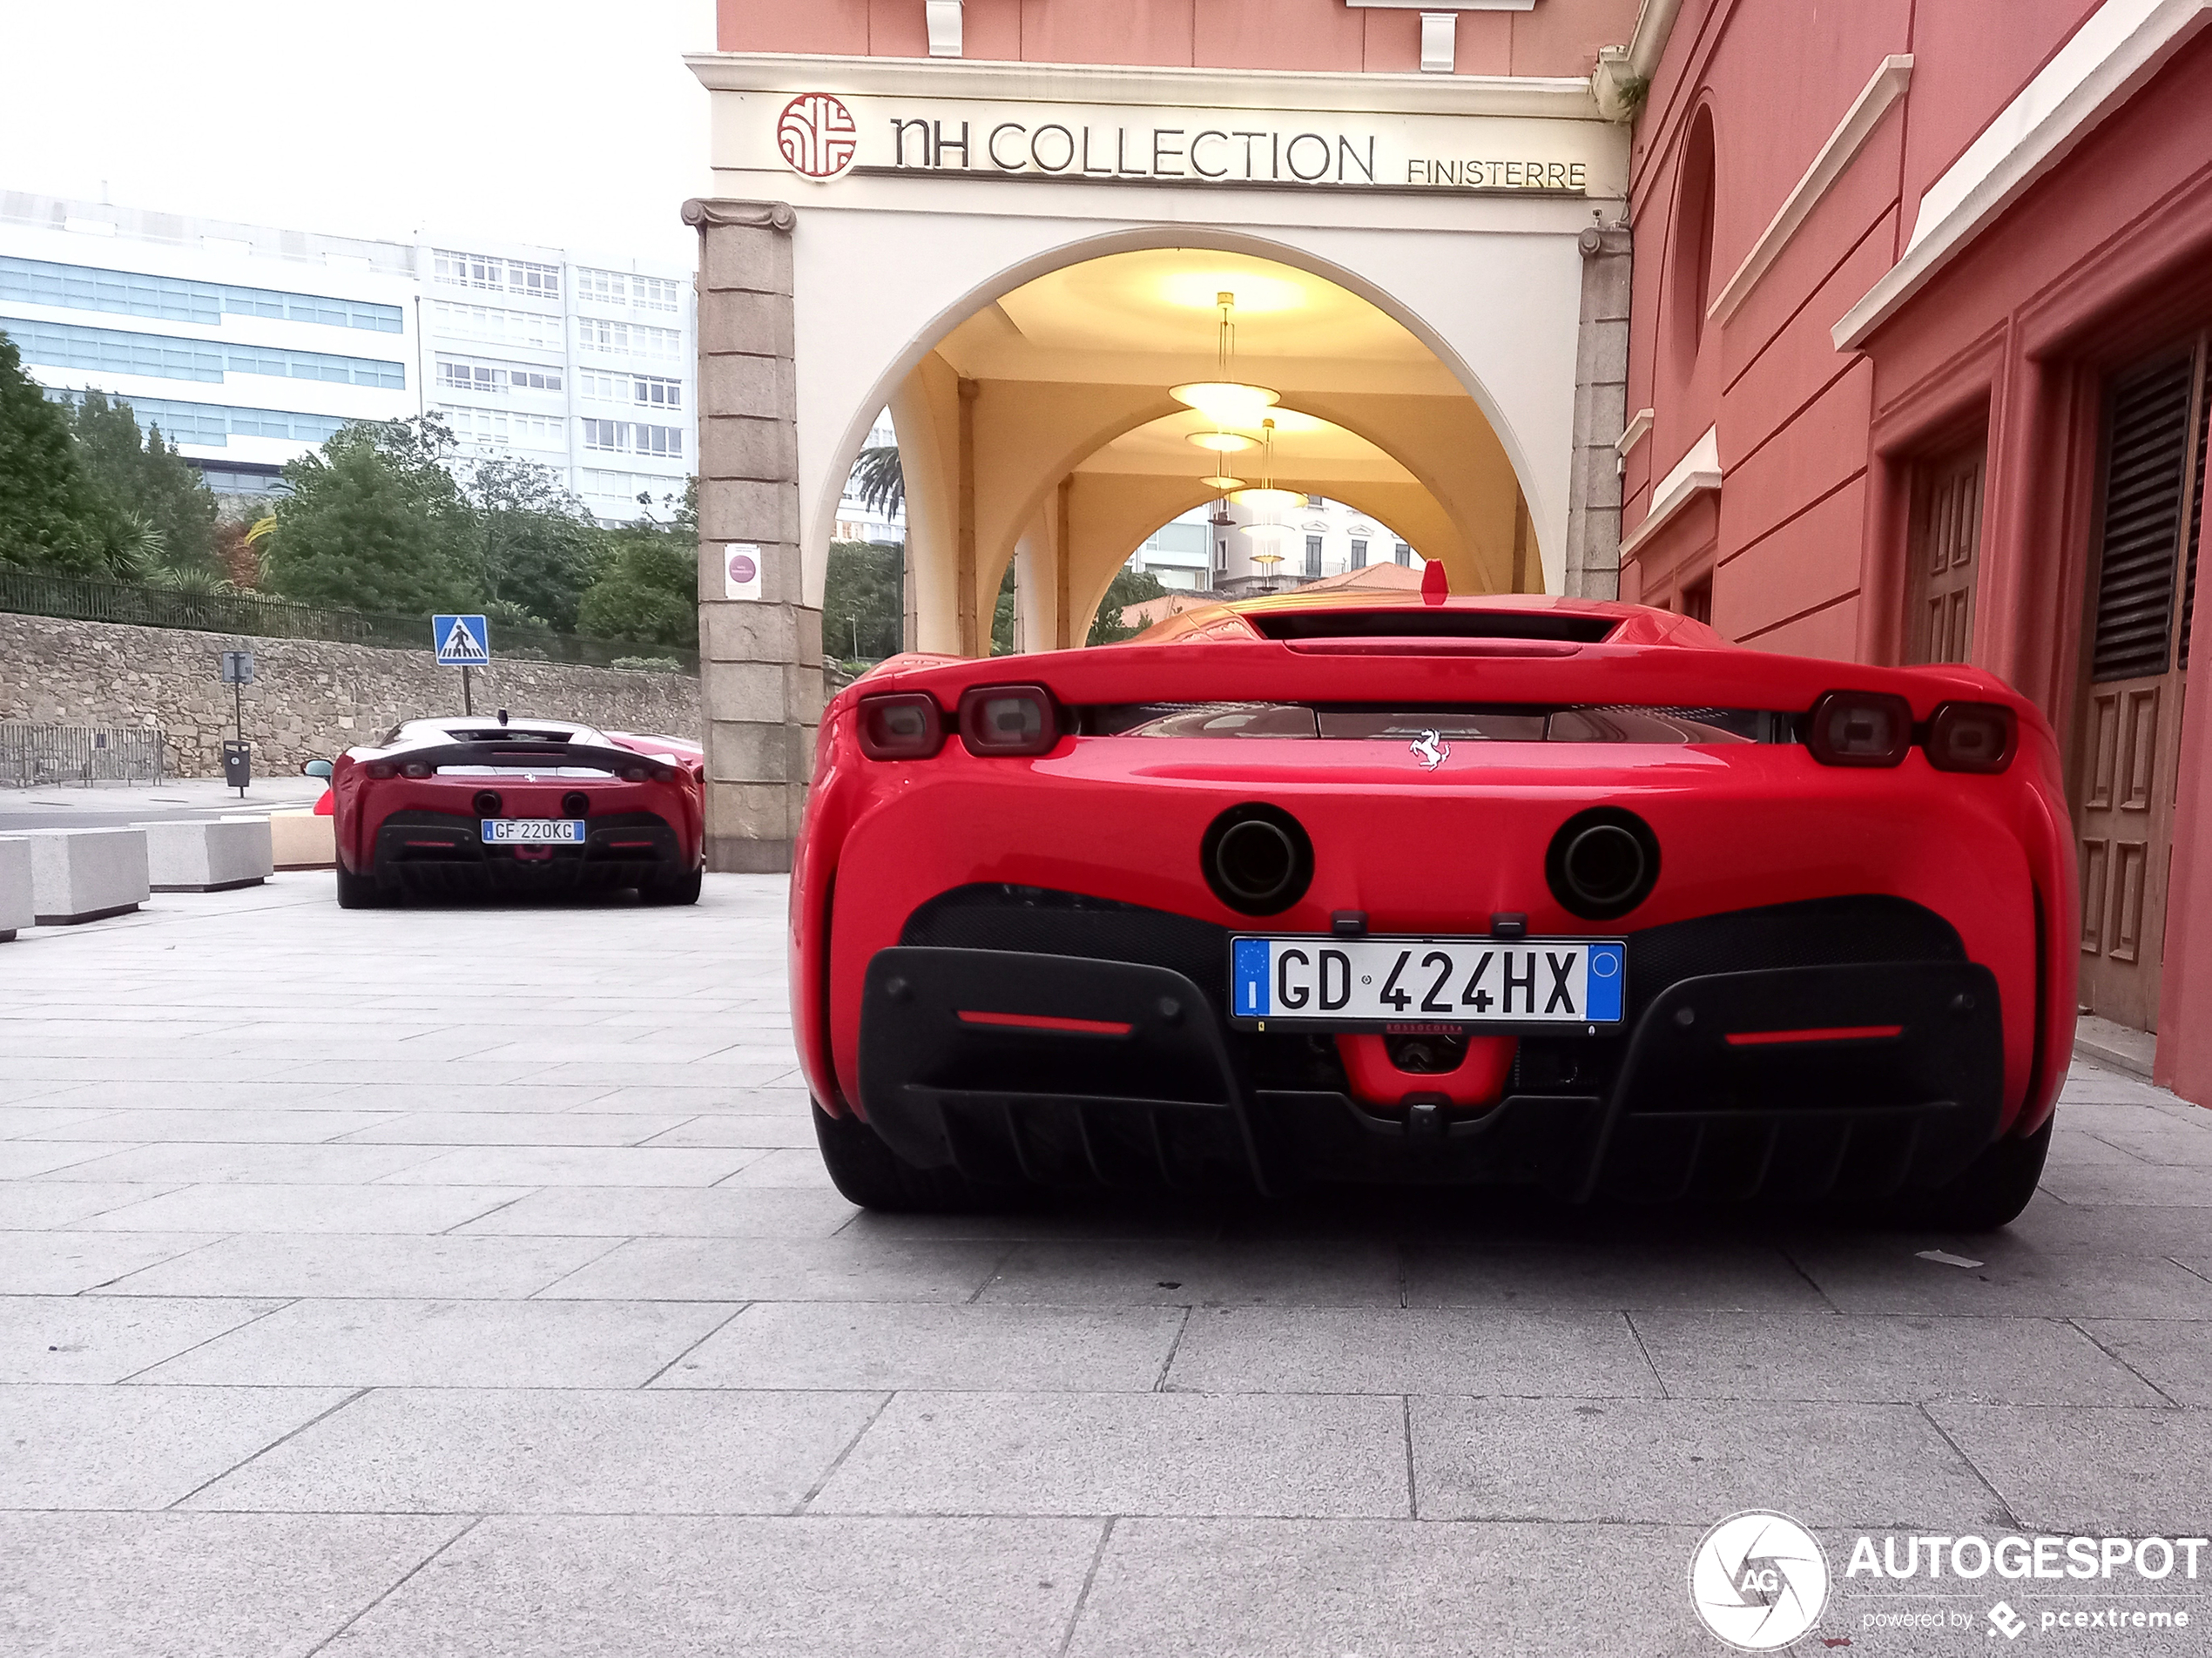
[(462, 641)]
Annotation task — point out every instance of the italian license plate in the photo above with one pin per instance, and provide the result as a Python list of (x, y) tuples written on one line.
[(1326, 980), (533, 832)]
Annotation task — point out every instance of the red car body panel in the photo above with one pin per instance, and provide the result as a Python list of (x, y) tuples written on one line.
[(1441, 849)]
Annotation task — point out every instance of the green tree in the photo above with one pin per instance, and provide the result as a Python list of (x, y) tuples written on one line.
[(863, 600), (538, 546), (648, 587), (130, 475), (46, 512), (1129, 587), (375, 522)]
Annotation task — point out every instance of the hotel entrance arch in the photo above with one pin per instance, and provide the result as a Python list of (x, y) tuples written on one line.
[(1025, 325)]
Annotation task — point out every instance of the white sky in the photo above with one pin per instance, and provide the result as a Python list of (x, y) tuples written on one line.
[(568, 123)]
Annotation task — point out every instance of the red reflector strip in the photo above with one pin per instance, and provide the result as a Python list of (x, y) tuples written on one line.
[(625, 846), (1045, 1021), (441, 844), (1831, 1034)]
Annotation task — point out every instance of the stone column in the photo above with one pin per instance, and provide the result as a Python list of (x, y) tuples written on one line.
[(1600, 412), (760, 659)]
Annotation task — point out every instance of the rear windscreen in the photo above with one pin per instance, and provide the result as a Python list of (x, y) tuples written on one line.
[(1578, 723), (1432, 625)]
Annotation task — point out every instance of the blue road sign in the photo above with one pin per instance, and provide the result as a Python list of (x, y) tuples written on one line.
[(461, 641)]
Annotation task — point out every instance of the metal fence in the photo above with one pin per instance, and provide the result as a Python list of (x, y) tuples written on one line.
[(39, 756), (29, 593)]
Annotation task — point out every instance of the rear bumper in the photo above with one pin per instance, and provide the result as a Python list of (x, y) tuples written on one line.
[(441, 853), (1095, 1069)]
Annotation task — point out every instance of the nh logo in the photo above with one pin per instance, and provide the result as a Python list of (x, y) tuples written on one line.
[(461, 641)]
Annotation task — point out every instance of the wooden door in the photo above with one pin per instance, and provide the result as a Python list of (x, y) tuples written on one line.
[(1946, 546), (2129, 732)]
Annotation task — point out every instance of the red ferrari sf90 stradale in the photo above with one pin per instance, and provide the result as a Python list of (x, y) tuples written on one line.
[(1408, 887), (474, 806)]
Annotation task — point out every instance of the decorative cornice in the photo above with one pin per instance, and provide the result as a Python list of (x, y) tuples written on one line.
[(1557, 97), (719, 213), (2121, 45), (1844, 144), (1695, 473), (1636, 430)]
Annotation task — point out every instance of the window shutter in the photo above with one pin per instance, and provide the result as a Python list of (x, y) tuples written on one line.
[(2145, 479), (2196, 504)]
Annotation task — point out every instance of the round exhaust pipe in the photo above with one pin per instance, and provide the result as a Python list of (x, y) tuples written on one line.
[(575, 804), (486, 803), (1602, 863), (1257, 858)]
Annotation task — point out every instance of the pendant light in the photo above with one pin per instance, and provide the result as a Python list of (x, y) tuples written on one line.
[(1267, 497), (1225, 400)]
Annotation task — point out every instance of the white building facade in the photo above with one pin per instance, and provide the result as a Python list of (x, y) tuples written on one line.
[(248, 346)]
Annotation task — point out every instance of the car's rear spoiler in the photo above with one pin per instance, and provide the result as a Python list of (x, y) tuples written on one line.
[(516, 755)]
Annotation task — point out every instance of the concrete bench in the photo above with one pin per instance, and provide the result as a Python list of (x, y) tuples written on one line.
[(209, 855), (16, 909), (301, 840), (84, 874)]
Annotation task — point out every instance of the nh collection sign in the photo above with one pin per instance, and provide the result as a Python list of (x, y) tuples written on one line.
[(824, 137)]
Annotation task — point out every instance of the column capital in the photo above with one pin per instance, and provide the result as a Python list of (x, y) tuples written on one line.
[(716, 212)]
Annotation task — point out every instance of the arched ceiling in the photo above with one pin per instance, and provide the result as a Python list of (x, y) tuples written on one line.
[(1309, 452), (1150, 316)]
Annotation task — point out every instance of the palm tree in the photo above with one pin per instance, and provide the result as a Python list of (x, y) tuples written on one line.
[(881, 481)]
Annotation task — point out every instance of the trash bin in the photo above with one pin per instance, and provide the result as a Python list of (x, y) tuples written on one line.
[(238, 764)]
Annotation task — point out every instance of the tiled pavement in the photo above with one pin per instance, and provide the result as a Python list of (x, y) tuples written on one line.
[(465, 1282)]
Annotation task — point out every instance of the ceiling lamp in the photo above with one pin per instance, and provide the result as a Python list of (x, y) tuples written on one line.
[(1267, 497), (1221, 442), (1222, 481), (1268, 533), (1224, 400)]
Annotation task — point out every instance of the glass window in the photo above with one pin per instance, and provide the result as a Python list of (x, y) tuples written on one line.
[(1403, 554), (488, 271), (118, 351), (83, 287), (1358, 554), (212, 425), (1312, 554)]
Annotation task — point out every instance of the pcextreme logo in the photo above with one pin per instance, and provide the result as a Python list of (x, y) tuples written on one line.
[(1758, 1580)]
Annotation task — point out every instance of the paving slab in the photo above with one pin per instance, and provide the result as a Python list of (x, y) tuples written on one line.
[(1661, 1461), (91, 1338), (294, 1210), (63, 1263), (2101, 1471), (918, 1346), (731, 1129), (200, 1586), (144, 1125), (2010, 1282), (520, 1450), (2174, 1357), (1275, 1273), (1650, 1274), (565, 1165), (750, 1268), (1876, 1359), (208, 1163), (1125, 1453), (668, 1212), (73, 1447), (19, 1159), (2153, 1184), (596, 1588), (1359, 1350), (519, 1128), (1264, 1588), (370, 1264), (452, 1343)]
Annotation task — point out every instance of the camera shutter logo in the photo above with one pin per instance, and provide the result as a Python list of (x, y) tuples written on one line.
[(817, 136), (1758, 1580)]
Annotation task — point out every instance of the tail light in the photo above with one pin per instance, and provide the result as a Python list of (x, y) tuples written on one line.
[(380, 770), (900, 725), (418, 768), (1004, 720), (1972, 737), (1859, 728)]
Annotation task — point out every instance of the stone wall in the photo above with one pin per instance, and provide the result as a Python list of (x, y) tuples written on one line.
[(310, 698)]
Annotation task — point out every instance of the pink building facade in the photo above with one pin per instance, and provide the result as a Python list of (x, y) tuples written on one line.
[(1917, 373)]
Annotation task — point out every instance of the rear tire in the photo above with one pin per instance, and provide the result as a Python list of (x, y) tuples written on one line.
[(1991, 1192), (674, 889), (867, 1172), (359, 891)]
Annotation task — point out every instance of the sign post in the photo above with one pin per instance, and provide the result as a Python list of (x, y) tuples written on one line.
[(462, 641), (238, 759)]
